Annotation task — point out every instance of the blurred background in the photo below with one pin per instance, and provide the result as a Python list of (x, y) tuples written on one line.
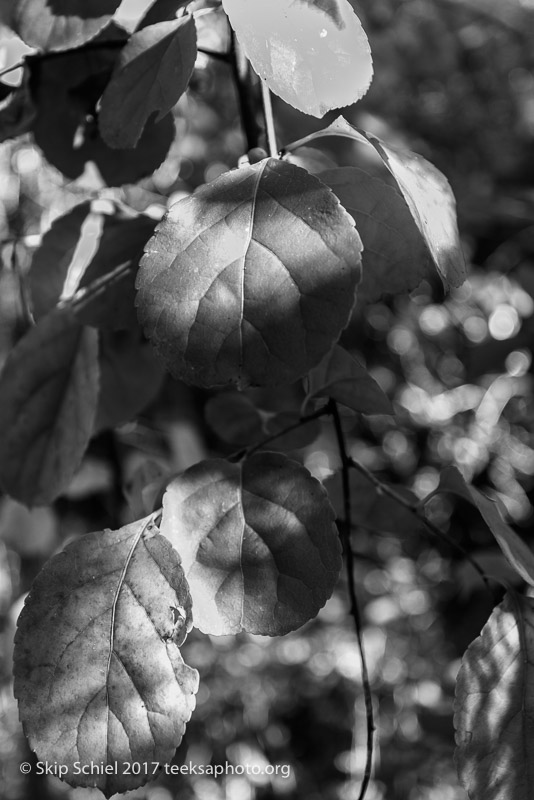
[(453, 81)]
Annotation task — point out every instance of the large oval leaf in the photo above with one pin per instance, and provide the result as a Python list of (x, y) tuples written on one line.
[(49, 390), (251, 279), (494, 707), (313, 54), (98, 673), (59, 25), (258, 543)]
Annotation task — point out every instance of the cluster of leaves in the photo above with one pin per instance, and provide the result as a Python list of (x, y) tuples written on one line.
[(249, 282)]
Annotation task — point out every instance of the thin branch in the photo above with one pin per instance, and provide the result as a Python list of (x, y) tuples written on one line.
[(242, 80), (12, 68), (345, 529), (269, 120), (321, 412)]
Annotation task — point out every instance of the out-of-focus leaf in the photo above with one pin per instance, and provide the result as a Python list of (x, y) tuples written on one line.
[(152, 72), (258, 544), (494, 706), (313, 160), (145, 486), (514, 548), (49, 390), (66, 89), (251, 279), (98, 673), (342, 377), (295, 439), (161, 11), (315, 56), (55, 25), (130, 378), (234, 418), (32, 533), (17, 110), (395, 255)]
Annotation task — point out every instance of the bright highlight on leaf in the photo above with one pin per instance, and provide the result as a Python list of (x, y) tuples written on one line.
[(250, 280), (494, 708), (313, 54), (258, 543), (98, 673)]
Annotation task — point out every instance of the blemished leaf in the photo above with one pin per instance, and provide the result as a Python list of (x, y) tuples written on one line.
[(258, 544), (130, 377), (98, 672), (58, 25), (395, 256), (250, 280), (51, 261), (343, 378), (519, 555), (161, 11), (152, 72), (314, 55), (494, 712), (66, 90), (49, 389), (17, 110)]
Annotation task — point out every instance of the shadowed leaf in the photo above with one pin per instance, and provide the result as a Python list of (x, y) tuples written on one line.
[(161, 11)]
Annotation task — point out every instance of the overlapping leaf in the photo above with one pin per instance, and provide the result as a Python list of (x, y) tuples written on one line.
[(342, 377), (152, 72), (314, 55), (161, 11), (519, 555), (49, 390), (251, 279), (98, 673), (494, 707), (58, 25), (258, 544)]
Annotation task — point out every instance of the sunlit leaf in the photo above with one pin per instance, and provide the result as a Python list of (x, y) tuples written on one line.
[(314, 55), (494, 707), (251, 279), (152, 72), (55, 25), (98, 673), (258, 544), (49, 389), (395, 256), (343, 378), (519, 555)]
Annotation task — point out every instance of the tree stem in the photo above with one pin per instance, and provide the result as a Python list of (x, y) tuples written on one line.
[(270, 131)]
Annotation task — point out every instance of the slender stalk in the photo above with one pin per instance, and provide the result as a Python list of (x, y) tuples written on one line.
[(321, 412), (269, 120), (247, 107)]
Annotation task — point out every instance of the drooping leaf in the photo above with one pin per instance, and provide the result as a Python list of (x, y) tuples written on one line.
[(151, 74), (98, 673), (257, 540), (395, 256), (55, 25), (251, 279), (161, 11), (494, 706), (49, 390), (519, 555), (343, 378), (130, 377), (66, 90), (427, 193), (314, 55), (17, 110)]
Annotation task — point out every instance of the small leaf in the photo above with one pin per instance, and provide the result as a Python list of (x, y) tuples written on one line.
[(258, 544), (314, 55), (342, 377), (49, 390), (161, 11), (17, 110), (251, 279), (395, 255), (519, 555), (151, 74), (494, 713), (54, 25), (234, 418), (98, 673)]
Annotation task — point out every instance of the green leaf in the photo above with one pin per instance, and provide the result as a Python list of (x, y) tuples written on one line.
[(494, 714), (151, 74), (66, 90), (130, 378), (161, 11), (258, 544), (342, 377), (395, 256), (98, 673), (53, 25), (251, 279), (49, 390), (314, 55), (519, 555)]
